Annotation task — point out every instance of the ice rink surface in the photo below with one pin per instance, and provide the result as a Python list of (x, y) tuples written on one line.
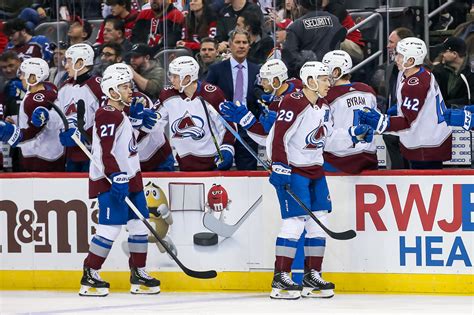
[(47, 302)]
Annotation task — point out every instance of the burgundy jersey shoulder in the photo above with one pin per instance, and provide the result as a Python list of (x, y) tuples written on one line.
[(166, 93), (108, 115), (359, 86), (417, 85), (211, 93), (295, 102), (41, 98), (94, 84), (297, 83)]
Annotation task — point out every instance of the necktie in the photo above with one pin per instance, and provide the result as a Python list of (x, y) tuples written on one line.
[(239, 84)]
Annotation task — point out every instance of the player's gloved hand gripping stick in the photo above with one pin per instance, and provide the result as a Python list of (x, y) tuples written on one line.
[(346, 235), (192, 273)]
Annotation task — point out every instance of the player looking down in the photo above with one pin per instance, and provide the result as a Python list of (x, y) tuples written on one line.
[(114, 147), (295, 145)]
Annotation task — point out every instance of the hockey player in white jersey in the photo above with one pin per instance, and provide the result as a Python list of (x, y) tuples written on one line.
[(425, 137), (38, 139), (349, 148), (81, 86), (191, 107), (295, 146), (273, 77), (114, 148)]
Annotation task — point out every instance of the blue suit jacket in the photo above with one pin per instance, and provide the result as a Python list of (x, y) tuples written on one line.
[(220, 74)]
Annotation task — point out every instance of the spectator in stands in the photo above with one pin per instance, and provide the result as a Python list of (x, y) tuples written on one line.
[(353, 43), (311, 36), (79, 32), (57, 73), (121, 10), (13, 94), (236, 77), (454, 76), (149, 27), (280, 38), (207, 56), (114, 32), (110, 54), (148, 75), (261, 45), (384, 81), (291, 10), (3, 38), (200, 23), (24, 43), (228, 20)]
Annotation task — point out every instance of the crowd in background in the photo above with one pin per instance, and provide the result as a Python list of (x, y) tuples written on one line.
[(138, 33)]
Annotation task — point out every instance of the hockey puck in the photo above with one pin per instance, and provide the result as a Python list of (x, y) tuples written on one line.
[(205, 239)]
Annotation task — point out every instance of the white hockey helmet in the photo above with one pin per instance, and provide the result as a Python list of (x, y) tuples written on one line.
[(112, 79), (412, 47), (338, 59), (274, 68), (36, 66), (184, 66), (80, 51), (119, 67), (313, 69)]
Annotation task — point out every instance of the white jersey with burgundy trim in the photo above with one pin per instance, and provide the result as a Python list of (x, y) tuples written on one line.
[(344, 103), (188, 125), (424, 134), (114, 149), (296, 136), (40, 142)]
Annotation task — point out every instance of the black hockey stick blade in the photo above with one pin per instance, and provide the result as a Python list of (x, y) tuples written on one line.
[(81, 111), (346, 235), (208, 274)]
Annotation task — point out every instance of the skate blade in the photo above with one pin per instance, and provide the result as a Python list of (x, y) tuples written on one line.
[(312, 293), (280, 294), (95, 292), (141, 289)]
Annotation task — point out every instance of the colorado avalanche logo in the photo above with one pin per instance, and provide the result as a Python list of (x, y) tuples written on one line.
[(39, 97), (70, 109), (315, 139), (188, 126)]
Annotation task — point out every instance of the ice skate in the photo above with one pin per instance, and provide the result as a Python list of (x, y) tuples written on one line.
[(316, 287), (92, 284), (143, 283), (284, 288)]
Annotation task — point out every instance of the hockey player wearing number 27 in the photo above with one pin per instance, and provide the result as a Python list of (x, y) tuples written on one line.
[(295, 145), (114, 147), (425, 137)]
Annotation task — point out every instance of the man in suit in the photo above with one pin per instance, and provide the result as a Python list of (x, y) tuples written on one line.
[(236, 77)]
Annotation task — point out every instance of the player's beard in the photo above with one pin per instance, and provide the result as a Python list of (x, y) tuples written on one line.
[(158, 9)]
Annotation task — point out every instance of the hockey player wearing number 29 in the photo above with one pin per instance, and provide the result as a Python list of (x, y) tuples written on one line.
[(114, 147), (37, 137), (425, 137), (295, 146)]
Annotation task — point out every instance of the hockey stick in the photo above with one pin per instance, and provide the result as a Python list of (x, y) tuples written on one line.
[(81, 110), (346, 235), (226, 230), (192, 273), (219, 153)]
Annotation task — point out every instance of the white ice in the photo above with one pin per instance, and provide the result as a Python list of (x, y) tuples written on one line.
[(47, 302)]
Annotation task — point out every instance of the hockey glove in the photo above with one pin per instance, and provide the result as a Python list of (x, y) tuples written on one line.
[(227, 152), (267, 98), (65, 137), (267, 119), (374, 119), (119, 189), (280, 176), (237, 113), (358, 133), (40, 116), (15, 89), (459, 118), (149, 120), (392, 111), (136, 112), (10, 133)]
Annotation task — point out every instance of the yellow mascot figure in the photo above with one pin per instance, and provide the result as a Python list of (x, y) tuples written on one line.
[(160, 215)]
